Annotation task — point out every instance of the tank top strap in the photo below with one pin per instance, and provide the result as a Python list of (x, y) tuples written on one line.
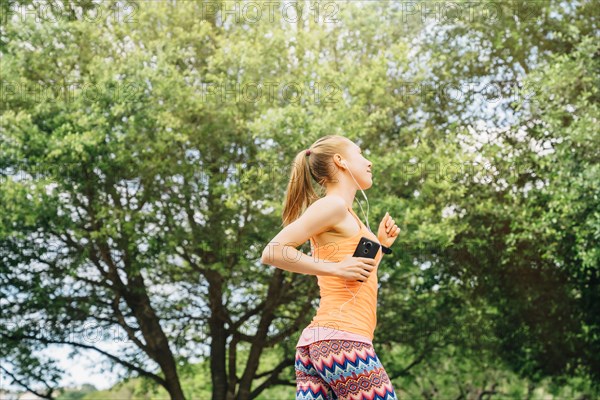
[(360, 224)]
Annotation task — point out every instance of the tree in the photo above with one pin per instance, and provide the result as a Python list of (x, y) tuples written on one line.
[(143, 173)]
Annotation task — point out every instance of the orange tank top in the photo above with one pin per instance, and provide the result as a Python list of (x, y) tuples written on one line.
[(347, 309)]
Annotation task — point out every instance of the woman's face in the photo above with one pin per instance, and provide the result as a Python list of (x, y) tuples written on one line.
[(359, 166)]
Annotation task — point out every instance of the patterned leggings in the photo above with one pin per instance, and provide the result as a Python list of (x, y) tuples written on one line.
[(341, 369)]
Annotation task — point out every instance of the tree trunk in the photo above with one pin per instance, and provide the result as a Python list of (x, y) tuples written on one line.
[(218, 373), (156, 340), (218, 334)]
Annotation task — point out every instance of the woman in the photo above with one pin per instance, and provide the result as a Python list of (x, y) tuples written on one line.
[(335, 358)]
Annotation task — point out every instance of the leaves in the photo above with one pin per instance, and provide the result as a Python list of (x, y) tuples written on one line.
[(137, 180)]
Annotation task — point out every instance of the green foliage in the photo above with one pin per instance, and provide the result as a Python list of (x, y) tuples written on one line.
[(76, 393), (134, 172)]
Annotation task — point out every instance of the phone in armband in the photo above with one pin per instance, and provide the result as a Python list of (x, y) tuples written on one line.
[(366, 248)]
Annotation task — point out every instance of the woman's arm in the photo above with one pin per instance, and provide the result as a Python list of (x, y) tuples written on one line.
[(291, 259), (281, 251)]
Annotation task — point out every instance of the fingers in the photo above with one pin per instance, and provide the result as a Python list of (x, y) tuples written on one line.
[(393, 230), (366, 271), (391, 226), (367, 261), (365, 267), (364, 275), (387, 220)]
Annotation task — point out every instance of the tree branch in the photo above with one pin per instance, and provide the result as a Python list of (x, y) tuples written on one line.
[(27, 387), (273, 379), (116, 359), (247, 316), (291, 328), (129, 330)]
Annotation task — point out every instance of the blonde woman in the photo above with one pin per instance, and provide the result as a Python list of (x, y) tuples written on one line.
[(335, 358)]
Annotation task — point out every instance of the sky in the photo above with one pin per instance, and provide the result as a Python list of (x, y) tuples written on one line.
[(78, 370)]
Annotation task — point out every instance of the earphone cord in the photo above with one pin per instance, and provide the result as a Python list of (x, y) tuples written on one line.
[(362, 283)]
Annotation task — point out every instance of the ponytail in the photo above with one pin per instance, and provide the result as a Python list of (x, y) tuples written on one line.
[(312, 164), (300, 191)]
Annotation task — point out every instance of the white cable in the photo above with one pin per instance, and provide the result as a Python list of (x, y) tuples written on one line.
[(362, 283), (361, 209)]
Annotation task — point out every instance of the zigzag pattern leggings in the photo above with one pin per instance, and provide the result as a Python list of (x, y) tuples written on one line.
[(341, 369)]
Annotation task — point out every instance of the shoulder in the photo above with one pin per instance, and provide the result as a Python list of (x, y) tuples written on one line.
[(328, 211), (330, 204)]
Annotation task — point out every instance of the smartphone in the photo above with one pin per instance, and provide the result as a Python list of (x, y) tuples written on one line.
[(366, 248)]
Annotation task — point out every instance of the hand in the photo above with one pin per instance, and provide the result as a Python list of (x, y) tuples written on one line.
[(354, 268), (388, 232)]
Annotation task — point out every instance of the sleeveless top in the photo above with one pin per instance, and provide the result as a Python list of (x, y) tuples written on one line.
[(347, 309)]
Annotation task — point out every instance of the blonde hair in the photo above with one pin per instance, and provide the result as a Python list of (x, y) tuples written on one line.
[(318, 166)]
